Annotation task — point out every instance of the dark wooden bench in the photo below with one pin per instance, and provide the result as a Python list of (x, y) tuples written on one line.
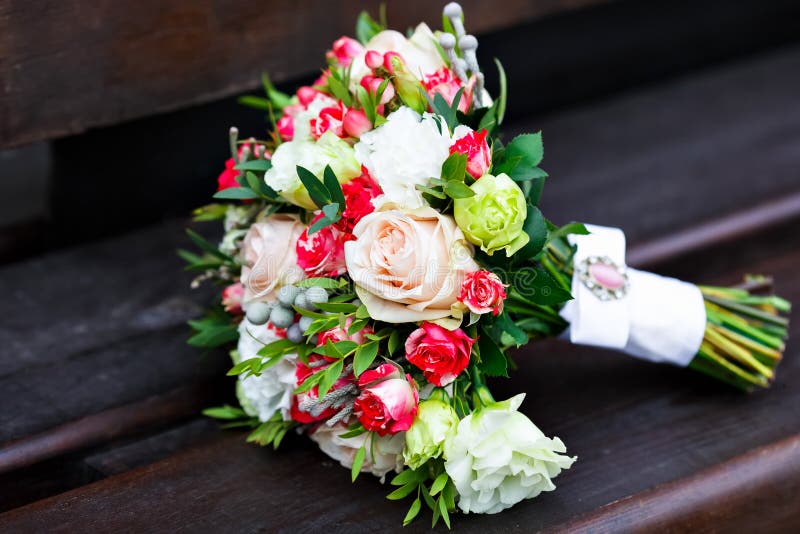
[(100, 427)]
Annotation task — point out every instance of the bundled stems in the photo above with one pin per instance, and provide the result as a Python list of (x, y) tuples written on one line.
[(744, 333)]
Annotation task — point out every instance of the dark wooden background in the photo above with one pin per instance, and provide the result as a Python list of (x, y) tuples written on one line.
[(677, 120)]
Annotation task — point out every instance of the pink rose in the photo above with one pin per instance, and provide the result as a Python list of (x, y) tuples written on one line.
[(388, 400), (483, 292), (321, 253), (479, 155), (269, 256), (232, 298), (408, 266), (306, 95), (343, 51), (447, 84), (439, 353), (373, 59), (373, 83), (334, 335)]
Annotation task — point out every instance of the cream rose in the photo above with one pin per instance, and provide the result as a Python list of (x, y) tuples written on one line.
[(384, 453), (269, 256), (408, 266)]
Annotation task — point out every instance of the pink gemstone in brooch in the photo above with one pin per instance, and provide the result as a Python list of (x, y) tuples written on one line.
[(603, 277)]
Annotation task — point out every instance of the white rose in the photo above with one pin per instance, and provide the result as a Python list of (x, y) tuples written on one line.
[(387, 455), (419, 52), (498, 457), (406, 151), (314, 156), (263, 395)]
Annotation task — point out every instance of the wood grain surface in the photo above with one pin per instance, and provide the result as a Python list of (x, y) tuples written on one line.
[(70, 65)]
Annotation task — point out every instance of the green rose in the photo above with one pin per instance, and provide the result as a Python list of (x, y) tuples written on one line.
[(314, 156), (434, 423), (494, 217)]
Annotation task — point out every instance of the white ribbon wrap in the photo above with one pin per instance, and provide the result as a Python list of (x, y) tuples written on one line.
[(659, 319)]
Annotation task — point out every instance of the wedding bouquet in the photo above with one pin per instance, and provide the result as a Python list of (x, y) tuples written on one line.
[(383, 250)]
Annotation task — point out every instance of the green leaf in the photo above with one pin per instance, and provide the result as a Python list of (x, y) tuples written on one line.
[(439, 483), (406, 476), (413, 511), (529, 146), (443, 511), (279, 100), (255, 165), (330, 376), (432, 192), (358, 461), (394, 341), (493, 361), (501, 100), (331, 211), (402, 492), (333, 185), (536, 227), (325, 283), (225, 412), (537, 285), (243, 366), (365, 355), (454, 167), (236, 193), (353, 433), (256, 102), (276, 348), (309, 383), (456, 189), (362, 312), (214, 336), (324, 222), (571, 228), (504, 324), (367, 27), (337, 307), (316, 190)]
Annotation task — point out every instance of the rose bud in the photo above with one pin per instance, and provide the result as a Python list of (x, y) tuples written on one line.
[(285, 127), (306, 95), (373, 84), (439, 353), (388, 400), (391, 60), (343, 51), (373, 59), (483, 292), (232, 298), (356, 123), (474, 146)]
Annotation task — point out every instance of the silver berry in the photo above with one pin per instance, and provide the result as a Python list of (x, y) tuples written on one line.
[(281, 317), (294, 334), (304, 323), (316, 295), (287, 294), (258, 312), (301, 301)]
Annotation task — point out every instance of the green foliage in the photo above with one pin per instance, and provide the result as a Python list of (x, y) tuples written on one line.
[(213, 331), (536, 228), (492, 118), (225, 412), (520, 160), (326, 194), (364, 356), (272, 432), (439, 496), (493, 361), (367, 27)]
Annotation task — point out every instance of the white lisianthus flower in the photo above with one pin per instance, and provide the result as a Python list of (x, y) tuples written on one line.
[(406, 151), (387, 455), (263, 395), (498, 457), (314, 156), (420, 53), (434, 423)]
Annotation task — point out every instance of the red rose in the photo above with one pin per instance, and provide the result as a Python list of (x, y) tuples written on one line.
[(441, 354), (479, 156), (322, 253), (343, 51), (447, 84), (358, 193), (388, 400), (483, 292)]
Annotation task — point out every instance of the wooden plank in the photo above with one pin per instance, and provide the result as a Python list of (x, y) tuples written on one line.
[(634, 425), (71, 65), (95, 327)]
